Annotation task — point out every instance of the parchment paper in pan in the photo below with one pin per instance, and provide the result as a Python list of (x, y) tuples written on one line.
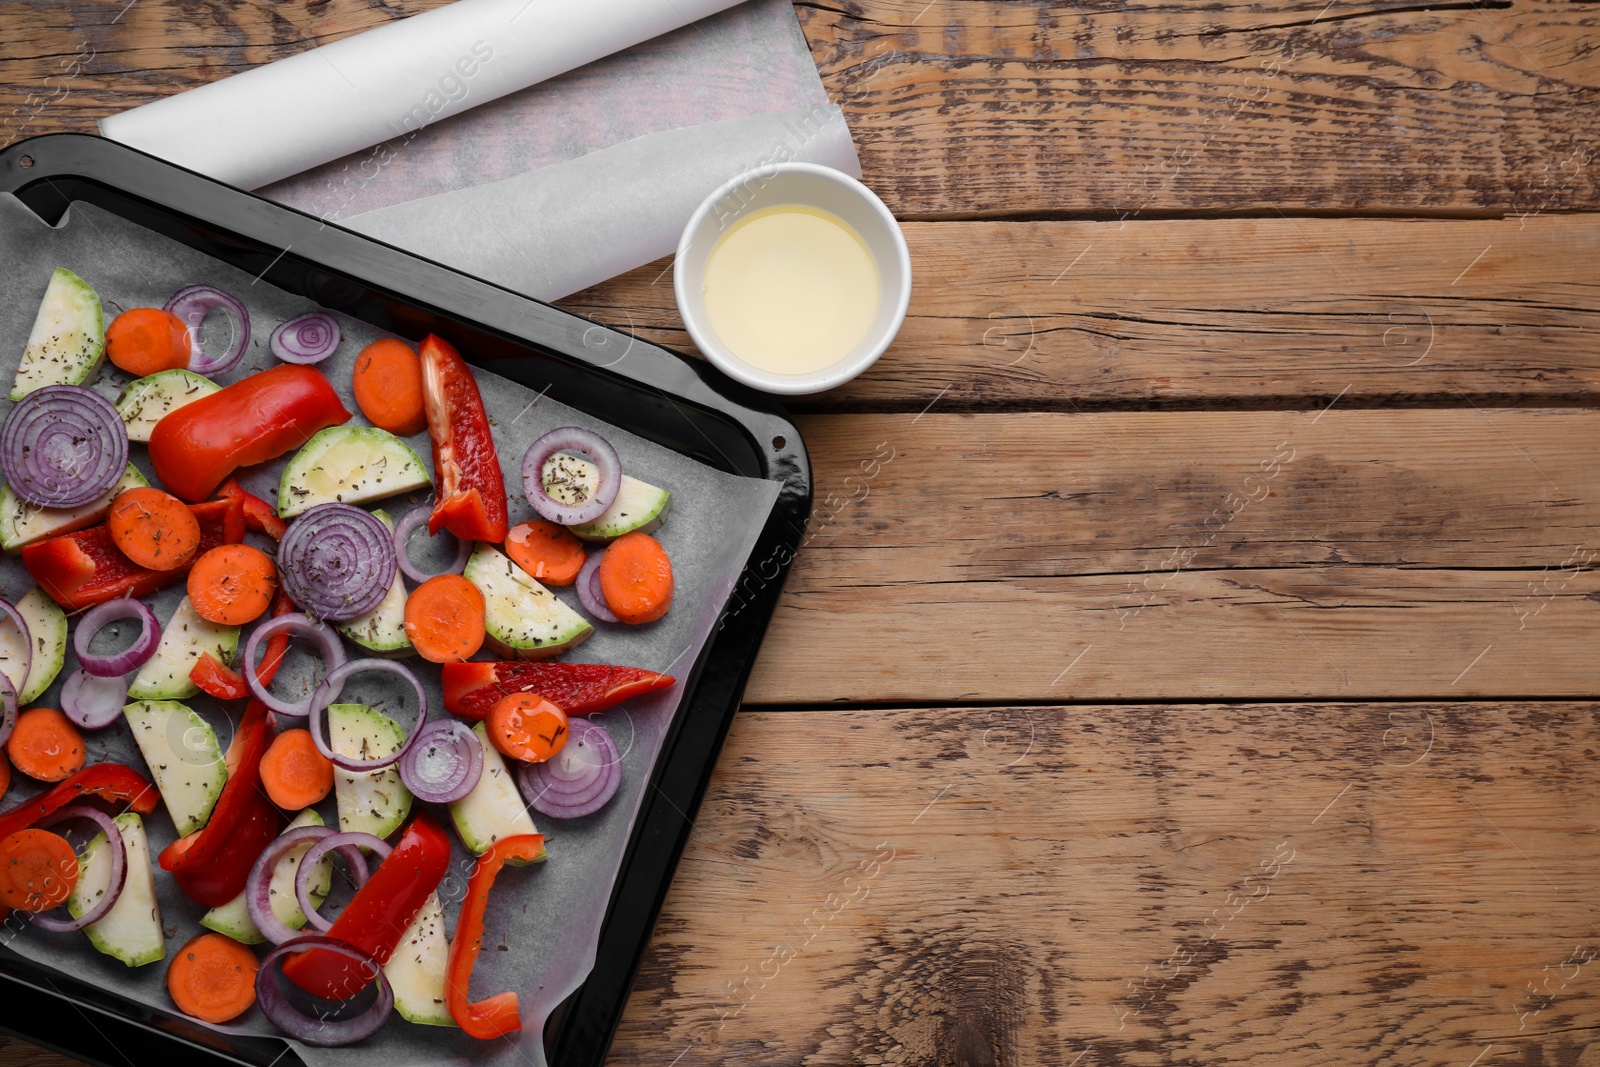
[(548, 915)]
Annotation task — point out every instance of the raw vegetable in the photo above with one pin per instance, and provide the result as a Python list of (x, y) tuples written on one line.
[(145, 341), (130, 659), (494, 809), (196, 447), (498, 1015), (388, 385), (145, 400), (213, 978), (546, 551), (294, 773), (5, 776), (308, 339), (259, 515), (382, 630), (416, 518), (93, 703), (636, 578), (417, 969), (527, 727), (68, 338), (374, 802), (444, 619), (588, 590), (523, 618), (233, 918), (22, 523), (185, 641), (47, 629), (63, 446), (337, 561), (324, 841), (37, 870), (45, 745), (349, 465), (334, 684), (561, 487), (580, 779), (472, 689), (114, 883), (351, 844), (111, 782), (153, 529), (232, 584), (16, 648), (192, 304), (130, 930), (444, 764), (181, 750), (639, 506), (257, 676), (472, 489), (324, 1031)]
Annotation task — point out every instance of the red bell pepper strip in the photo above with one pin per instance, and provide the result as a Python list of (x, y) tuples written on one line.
[(225, 683), (377, 916), (498, 1015), (108, 781), (472, 689), (472, 491), (83, 568), (259, 515), (196, 447), (212, 864)]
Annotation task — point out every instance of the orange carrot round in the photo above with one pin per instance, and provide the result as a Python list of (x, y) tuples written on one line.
[(45, 745), (143, 341), (232, 584), (154, 529), (636, 578), (444, 619), (5, 775), (213, 978), (527, 727), (37, 870), (548, 552), (294, 773), (388, 385)]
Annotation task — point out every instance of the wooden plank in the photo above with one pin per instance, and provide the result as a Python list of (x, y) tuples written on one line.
[(1062, 315), (1264, 555), (1302, 884)]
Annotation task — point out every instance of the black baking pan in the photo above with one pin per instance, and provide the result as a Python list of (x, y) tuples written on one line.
[(679, 403)]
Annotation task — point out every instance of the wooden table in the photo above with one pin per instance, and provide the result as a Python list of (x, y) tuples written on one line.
[(1191, 660)]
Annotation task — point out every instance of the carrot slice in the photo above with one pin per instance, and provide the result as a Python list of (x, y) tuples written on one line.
[(232, 584), (5, 775), (294, 773), (45, 745), (548, 552), (444, 619), (153, 528), (143, 341), (213, 978), (388, 385), (636, 578), (527, 727), (37, 870)]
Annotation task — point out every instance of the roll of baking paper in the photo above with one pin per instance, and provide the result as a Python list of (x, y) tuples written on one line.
[(282, 118)]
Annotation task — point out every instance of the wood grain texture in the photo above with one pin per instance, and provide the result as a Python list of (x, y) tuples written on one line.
[(1069, 315), (1267, 555)]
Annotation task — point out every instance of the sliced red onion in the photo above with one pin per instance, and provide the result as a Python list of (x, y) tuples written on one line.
[(258, 887), (328, 693), (444, 764), (191, 304), (129, 659), (63, 446), (308, 339), (93, 703), (588, 587), (591, 446), (337, 561), (402, 540), (25, 642), (319, 633), (350, 843), (119, 869), (579, 779), (321, 1032)]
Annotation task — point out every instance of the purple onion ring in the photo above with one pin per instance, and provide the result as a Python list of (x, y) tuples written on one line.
[(321, 1032), (578, 780), (130, 659), (308, 339), (402, 540), (93, 703), (349, 843), (325, 639), (328, 692), (337, 561), (588, 587), (191, 304), (27, 651), (258, 887), (63, 446), (444, 764), (119, 869), (591, 446)]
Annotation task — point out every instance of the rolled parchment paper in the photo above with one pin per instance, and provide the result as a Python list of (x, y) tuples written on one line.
[(285, 117)]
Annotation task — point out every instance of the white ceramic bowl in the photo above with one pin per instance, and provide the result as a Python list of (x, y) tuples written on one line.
[(808, 185)]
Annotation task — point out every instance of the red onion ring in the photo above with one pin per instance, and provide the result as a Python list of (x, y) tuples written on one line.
[(191, 304), (402, 540), (308, 339), (337, 561), (349, 843), (258, 887), (15, 616), (591, 446), (588, 588), (445, 763), (119, 869), (568, 785), (63, 446), (93, 703), (328, 692), (131, 658), (319, 633), (321, 1033)]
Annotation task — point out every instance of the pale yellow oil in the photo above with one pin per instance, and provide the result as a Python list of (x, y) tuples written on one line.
[(791, 289)]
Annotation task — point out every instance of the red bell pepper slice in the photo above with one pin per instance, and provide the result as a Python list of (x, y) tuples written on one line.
[(108, 781), (377, 916), (498, 1015), (212, 864), (472, 689), (259, 515), (472, 491), (225, 683), (196, 447), (83, 568)]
